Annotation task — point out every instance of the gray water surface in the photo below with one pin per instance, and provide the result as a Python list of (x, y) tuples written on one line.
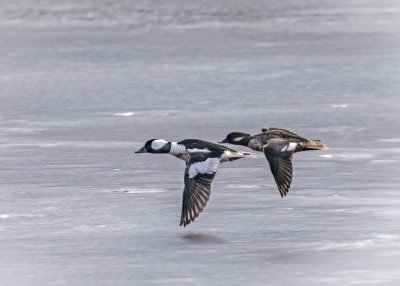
[(83, 85)]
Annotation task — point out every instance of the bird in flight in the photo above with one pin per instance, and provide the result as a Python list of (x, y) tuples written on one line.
[(278, 146), (202, 160)]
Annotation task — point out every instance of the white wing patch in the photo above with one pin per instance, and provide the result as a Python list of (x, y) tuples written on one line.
[(195, 150), (289, 147), (208, 166), (158, 144)]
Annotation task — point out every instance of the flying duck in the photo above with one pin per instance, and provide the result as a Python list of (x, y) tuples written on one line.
[(202, 160), (278, 146)]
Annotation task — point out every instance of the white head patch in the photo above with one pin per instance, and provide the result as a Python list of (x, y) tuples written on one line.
[(238, 139), (158, 144)]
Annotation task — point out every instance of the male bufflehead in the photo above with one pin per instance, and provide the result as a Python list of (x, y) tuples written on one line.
[(278, 146), (202, 159)]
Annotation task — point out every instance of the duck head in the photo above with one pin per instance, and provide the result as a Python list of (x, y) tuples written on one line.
[(237, 138), (155, 146)]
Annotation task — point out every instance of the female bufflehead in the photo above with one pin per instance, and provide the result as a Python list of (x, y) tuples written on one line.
[(278, 146), (202, 159)]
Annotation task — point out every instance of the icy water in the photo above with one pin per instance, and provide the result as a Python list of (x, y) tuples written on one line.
[(84, 85)]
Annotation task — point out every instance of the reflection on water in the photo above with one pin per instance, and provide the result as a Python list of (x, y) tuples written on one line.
[(195, 237)]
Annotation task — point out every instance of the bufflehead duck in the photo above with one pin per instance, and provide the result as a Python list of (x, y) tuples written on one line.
[(278, 146), (202, 159)]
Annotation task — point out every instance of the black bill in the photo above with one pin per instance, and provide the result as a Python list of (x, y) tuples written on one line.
[(142, 150)]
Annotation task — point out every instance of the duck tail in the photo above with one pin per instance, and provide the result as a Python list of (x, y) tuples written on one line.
[(249, 155), (314, 145)]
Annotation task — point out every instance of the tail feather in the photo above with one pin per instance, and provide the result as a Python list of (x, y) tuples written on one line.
[(249, 155), (315, 145)]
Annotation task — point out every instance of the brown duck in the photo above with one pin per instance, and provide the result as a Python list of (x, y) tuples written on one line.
[(278, 146)]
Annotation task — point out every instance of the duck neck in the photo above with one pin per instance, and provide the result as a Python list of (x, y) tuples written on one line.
[(177, 148)]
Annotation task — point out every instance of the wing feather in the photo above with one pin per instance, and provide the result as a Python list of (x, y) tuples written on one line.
[(280, 163), (199, 174)]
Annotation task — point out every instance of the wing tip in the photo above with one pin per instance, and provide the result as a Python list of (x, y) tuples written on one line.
[(283, 188), (185, 220)]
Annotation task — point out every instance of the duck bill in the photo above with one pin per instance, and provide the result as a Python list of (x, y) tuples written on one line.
[(141, 150), (223, 141)]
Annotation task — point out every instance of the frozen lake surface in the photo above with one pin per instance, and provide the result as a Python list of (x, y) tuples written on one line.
[(83, 87)]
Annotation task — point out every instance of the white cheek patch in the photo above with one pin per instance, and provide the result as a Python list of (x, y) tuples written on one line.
[(238, 139), (158, 144), (195, 150), (208, 166)]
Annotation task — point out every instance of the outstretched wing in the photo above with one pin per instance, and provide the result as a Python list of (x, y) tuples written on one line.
[(279, 155), (199, 173)]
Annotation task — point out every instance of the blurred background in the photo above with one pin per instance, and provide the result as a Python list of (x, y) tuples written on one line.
[(83, 84)]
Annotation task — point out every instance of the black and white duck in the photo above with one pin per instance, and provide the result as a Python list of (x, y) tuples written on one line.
[(202, 160)]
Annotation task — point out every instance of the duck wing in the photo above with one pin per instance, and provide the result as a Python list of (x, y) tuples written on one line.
[(199, 173), (279, 132), (279, 155)]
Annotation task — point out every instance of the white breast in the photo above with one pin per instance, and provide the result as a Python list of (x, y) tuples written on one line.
[(177, 148), (179, 151)]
